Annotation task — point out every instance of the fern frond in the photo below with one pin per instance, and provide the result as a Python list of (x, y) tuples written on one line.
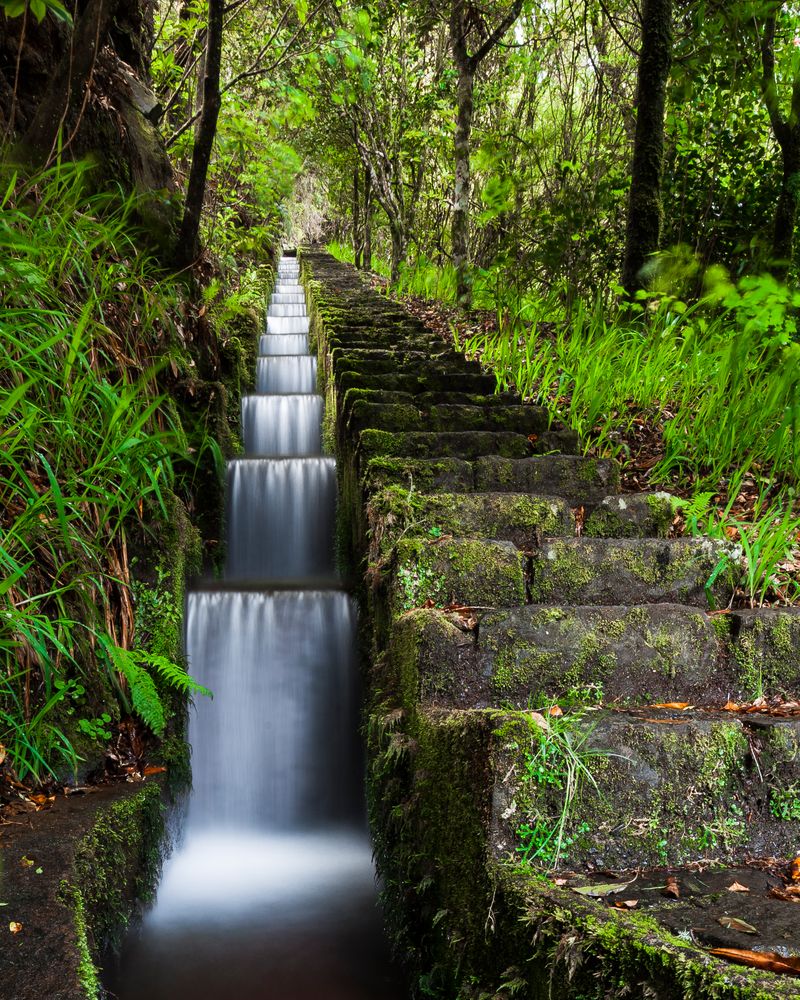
[(173, 673), (144, 696)]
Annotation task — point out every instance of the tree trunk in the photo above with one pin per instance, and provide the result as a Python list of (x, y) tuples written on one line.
[(645, 211), (186, 247), (367, 260), (786, 209), (68, 86), (398, 249), (787, 135), (357, 244), (462, 189)]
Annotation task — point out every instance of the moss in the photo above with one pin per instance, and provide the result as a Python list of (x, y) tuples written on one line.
[(566, 572)]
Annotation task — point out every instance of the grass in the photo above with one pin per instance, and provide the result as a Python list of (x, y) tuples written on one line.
[(87, 445)]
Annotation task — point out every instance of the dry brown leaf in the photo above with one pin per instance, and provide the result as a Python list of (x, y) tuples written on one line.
[(15, 927), (738, 887), (555, 711), (794, 870), (768, 960), (540, 720), (626, 904), (153, 769), (679, 706), (788, 894), (671, 889), (735, 924), (731, 706)]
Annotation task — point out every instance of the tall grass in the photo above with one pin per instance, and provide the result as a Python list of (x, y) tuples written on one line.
[(86, 447)]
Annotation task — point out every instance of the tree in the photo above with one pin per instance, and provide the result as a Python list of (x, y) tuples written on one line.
[(786, 129), (186, 245), (464, 20), (645, 212)]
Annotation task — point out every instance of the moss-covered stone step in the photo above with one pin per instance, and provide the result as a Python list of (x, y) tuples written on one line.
[(765, 645), (422, 400), (446, 417), (462, 570), (625, 790), (398, 512), (632, 515), (575, 477), (632, 571), (411, 365), (425, 475), (414, 383), (455, 444), (400, 358)]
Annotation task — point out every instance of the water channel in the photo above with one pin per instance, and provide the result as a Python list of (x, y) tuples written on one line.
[(271, 894)]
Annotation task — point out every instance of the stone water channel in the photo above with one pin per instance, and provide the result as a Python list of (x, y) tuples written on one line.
[(271, 895)]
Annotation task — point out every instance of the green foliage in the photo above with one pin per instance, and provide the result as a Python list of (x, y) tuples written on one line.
[(88, 445), (784, 803), (39, 9)]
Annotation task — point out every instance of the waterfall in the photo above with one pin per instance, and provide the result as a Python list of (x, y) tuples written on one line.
[(292, 536), (282, 425), (286, 373), (272, 894)]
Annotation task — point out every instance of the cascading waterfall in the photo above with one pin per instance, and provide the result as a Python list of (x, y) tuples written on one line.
[(272, 894)]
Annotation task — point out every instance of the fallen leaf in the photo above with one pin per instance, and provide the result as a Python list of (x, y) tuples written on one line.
[(672, 890), (28, 862), (769, 960), (738, 887), (626, 904), (788, 894), (15, 927), (735, 924), (555, 711), (731, 706), (560, 881), (794, 870), (152, 769), (679, 706), (600, 890), (540, 720)]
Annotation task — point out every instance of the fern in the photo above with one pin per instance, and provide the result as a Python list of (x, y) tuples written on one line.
[(694, 510), (173, 673), (135, 666), (144, 699)]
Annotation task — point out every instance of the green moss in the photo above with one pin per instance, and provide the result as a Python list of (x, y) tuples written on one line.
[(566, 572)]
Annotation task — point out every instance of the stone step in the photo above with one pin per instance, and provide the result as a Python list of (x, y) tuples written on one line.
[(370, 369), (572, 476), (666, 788), (423, 400), (460, 444), (421, 382), (396, 512), (624, 655), (631, 571), (462, 570), (580, 480), (394, 417)]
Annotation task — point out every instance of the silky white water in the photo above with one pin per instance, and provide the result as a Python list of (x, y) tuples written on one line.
[(271, 895)]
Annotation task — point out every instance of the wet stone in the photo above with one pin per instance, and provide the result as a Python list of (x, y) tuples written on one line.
[(631, 571), (575, 477)]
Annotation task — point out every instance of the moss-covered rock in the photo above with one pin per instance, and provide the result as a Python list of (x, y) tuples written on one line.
[(634, 515), (574, 477), (631, 571)]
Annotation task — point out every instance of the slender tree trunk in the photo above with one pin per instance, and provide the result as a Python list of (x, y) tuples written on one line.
[(398, 248), (787, 135), (68, 85), (367, 259), (786, 209), (186, 246), (463, 185), (645, 211), (357, 243)]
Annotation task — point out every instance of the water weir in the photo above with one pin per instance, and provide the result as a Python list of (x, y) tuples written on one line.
[(272, 893)]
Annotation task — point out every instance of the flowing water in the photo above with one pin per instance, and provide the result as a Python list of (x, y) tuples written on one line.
[(271, 895)]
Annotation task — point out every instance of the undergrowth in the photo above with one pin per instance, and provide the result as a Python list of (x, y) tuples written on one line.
[(87, 446)]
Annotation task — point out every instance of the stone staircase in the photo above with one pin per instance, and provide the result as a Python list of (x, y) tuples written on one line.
[(561, 789)]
